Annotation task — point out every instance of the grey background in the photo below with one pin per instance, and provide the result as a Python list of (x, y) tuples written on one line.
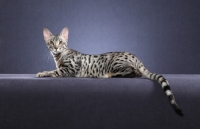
[(163, 34)]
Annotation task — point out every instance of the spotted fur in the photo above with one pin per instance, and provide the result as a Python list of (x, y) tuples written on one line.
[(71, 63)]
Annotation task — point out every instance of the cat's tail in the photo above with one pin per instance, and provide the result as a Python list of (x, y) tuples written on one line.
[(164, 84)]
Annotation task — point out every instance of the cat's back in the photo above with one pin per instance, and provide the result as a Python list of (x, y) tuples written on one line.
[(118, 55)]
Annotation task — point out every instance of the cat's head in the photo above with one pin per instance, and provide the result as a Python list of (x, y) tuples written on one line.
[(56, 43)]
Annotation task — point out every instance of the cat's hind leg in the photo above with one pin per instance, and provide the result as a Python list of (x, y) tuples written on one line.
[(126, 71)]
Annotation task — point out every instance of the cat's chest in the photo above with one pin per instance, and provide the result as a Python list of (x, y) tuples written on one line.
[(58, 63), (67, 61)]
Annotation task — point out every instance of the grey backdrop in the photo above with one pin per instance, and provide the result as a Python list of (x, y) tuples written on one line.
[(163, 34)]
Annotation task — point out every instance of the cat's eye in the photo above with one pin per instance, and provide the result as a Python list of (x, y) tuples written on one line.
[(51, 42), (60, 42)]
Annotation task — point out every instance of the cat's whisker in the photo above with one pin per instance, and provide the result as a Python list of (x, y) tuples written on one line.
[(46, 56), (43, 55), (49, 57)]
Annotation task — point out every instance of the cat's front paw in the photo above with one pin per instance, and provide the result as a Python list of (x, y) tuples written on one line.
[(41, 74)]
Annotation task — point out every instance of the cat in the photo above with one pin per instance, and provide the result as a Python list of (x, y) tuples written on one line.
[(71, 63)]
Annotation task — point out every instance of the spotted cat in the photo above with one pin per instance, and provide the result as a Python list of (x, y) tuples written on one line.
[(71, 63)]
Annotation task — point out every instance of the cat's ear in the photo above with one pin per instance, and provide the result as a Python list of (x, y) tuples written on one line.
[(47, 34), (64, 33)]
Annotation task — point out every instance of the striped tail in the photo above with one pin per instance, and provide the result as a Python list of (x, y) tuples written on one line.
[(164, 84)]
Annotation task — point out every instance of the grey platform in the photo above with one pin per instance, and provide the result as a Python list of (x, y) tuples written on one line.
[(27, 102)]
